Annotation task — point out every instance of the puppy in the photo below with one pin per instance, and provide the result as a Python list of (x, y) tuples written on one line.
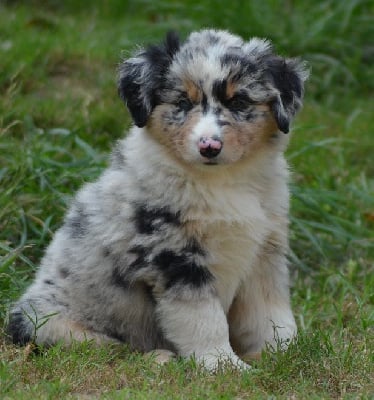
[(181, 244)]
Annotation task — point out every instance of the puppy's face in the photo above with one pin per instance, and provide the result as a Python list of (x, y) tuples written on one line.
[(215, 99)]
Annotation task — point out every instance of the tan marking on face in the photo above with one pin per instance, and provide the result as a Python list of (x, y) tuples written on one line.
[(242, 140), (194, 93), (175, 137), (230, 89), (181, 139)]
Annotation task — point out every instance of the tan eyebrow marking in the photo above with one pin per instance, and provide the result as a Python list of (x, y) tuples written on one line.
[(230, 89), (194, 93)]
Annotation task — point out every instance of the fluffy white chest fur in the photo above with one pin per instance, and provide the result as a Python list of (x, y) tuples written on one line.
[(231, 211)]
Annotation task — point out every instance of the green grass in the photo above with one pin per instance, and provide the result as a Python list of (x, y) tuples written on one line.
[(59, 116)]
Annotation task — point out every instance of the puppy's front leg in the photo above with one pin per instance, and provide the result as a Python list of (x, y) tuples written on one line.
[(261, 313), (196, 324)]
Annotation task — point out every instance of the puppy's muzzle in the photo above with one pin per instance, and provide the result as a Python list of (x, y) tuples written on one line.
[(210, 147)]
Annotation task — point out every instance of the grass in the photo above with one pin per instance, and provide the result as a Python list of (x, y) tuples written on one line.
[(59, 116)]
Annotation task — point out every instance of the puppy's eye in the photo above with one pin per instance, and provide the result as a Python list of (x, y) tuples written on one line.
[(238, 103), (184, 105)]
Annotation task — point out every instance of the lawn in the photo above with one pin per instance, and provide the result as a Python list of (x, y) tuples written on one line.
[(60, 115)]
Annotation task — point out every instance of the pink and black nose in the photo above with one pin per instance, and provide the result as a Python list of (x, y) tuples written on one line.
[(210, 147)]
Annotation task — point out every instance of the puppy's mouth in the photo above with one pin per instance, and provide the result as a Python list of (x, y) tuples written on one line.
[(210, 162)]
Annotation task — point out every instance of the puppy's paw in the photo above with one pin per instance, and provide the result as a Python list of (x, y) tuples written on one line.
[(216, 361), (161, 356)]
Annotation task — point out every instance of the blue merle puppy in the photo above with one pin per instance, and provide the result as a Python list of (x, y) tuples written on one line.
[(181, 244)]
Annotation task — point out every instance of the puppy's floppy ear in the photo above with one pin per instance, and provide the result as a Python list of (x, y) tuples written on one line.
[(288, 77), (142, 76)]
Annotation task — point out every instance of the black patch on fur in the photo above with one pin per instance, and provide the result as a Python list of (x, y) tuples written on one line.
[(160, 57), (219, 90), (140, 82), (181, 269), (238, 103), (78, 223), (48, 282), (18, 329), (283, 121), (140, 261), (130, 93), (121, 272), (150, 220), (194, 248), (172, 43), (185, 104), (285, 79), (118, 279), (204, 104), (290, 86)]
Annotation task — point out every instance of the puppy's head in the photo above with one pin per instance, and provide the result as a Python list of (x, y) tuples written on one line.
[(214, 99)]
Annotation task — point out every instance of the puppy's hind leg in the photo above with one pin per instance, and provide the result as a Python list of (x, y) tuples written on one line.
[(26, 325)]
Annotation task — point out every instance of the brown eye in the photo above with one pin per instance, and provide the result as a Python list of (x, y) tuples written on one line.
[(184, 105)]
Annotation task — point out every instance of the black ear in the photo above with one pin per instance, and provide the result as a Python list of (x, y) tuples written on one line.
[(142, 76), (288, 77)]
